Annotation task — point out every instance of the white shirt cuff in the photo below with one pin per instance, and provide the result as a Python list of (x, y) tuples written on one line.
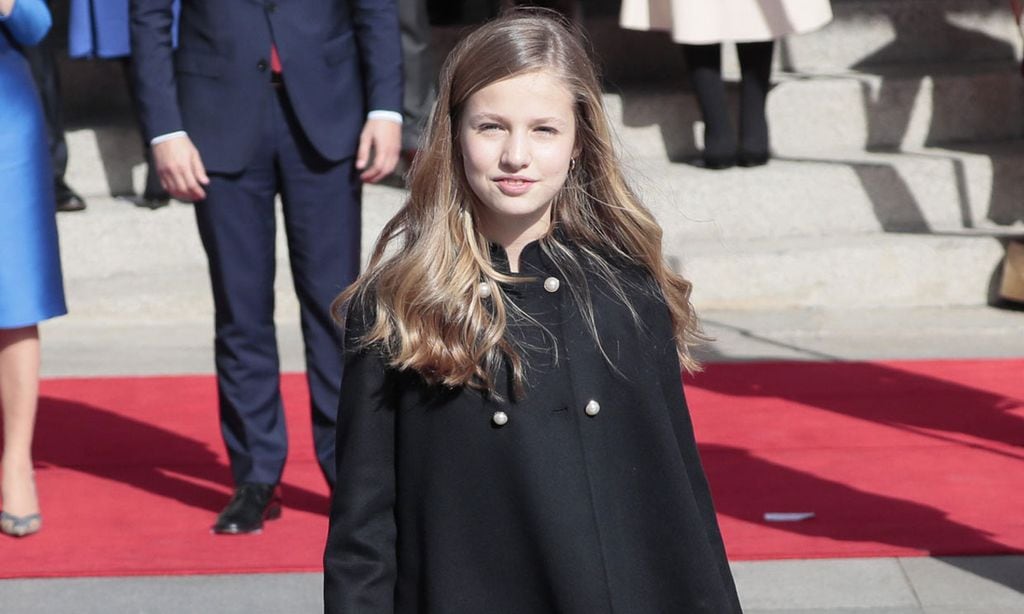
[(391, 116), (166, 137)]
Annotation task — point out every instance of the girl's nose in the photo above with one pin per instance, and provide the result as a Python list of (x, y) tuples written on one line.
[(517, 152)]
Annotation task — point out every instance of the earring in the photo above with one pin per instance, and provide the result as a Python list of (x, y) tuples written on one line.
[(572, 164)]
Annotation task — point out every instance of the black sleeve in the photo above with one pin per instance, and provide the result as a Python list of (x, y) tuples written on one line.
[(360, 557), (671, 381)]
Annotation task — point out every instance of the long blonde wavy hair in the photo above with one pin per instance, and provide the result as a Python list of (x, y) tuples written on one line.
[(421, 288)]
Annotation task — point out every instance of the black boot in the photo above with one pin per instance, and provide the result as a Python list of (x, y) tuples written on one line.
[(705, 65), (756, 68)]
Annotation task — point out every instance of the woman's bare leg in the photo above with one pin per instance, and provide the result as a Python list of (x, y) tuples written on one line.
[(19, 395)]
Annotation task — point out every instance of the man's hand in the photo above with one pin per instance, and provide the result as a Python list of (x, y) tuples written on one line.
[(180, 168), (384, 138)]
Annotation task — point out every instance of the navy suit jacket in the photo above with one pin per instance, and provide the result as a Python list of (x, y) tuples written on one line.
[(340, 58)]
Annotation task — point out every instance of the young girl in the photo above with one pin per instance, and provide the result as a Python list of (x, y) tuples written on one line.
[(512, 435)]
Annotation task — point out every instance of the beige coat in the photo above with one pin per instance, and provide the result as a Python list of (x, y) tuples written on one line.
[(714, 21)]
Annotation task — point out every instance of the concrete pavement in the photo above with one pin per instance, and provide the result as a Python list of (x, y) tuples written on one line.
[(963, 585)]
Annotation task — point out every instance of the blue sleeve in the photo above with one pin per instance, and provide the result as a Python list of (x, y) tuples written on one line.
[(28, 22), (153, 32), (380, 47)]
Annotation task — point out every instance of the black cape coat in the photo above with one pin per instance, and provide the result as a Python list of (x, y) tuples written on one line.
[(589, 499)]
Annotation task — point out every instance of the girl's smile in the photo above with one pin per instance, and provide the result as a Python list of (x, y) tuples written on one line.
[(514, 185)]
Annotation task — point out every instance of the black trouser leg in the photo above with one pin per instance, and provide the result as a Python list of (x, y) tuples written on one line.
[(153, 194), (43, 62), (237, 227), (418, 70), (321, 202), (756, 68), (705, 65)]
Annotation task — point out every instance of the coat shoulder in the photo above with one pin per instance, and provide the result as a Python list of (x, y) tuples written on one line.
[(356, 318), (635, 284)]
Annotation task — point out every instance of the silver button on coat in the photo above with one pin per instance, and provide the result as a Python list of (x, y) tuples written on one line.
[(499, 418), (592, 408), (551, 284)]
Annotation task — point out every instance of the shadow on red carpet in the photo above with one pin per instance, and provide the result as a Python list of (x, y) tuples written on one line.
[(894, 459), (132, 472)]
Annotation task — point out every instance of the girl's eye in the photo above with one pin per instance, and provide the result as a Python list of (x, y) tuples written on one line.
[(548, 129), (488, 127)]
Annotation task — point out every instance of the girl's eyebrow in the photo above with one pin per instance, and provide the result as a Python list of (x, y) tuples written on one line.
[(550, 120), (478, 117)]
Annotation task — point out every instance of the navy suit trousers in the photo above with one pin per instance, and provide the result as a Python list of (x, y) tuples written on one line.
[(321, 206)]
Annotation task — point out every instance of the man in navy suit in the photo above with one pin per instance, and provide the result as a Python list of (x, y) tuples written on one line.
[(299, 98)]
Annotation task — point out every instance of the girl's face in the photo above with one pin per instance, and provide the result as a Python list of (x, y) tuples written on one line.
[(517, 138)]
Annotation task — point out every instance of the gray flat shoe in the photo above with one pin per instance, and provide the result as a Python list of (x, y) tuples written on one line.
[(20, 526)]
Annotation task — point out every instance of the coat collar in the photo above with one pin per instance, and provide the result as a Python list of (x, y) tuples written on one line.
[(533, 260)]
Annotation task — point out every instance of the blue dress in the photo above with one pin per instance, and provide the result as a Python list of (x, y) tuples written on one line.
[(100, 28), (31, 287)]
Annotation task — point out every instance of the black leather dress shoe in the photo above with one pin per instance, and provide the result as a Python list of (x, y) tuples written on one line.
[(73, 202), (148, 202), (67, 199), (248, 508)]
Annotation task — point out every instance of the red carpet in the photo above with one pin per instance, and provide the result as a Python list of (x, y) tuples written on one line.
[(898, 458), (131, 473), (894, 458)]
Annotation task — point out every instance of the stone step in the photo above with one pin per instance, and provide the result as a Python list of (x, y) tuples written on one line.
[(863, 33), (125, 264), (872, 270), (897, 107), (106, 158), (881, 32), (972, 189)]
